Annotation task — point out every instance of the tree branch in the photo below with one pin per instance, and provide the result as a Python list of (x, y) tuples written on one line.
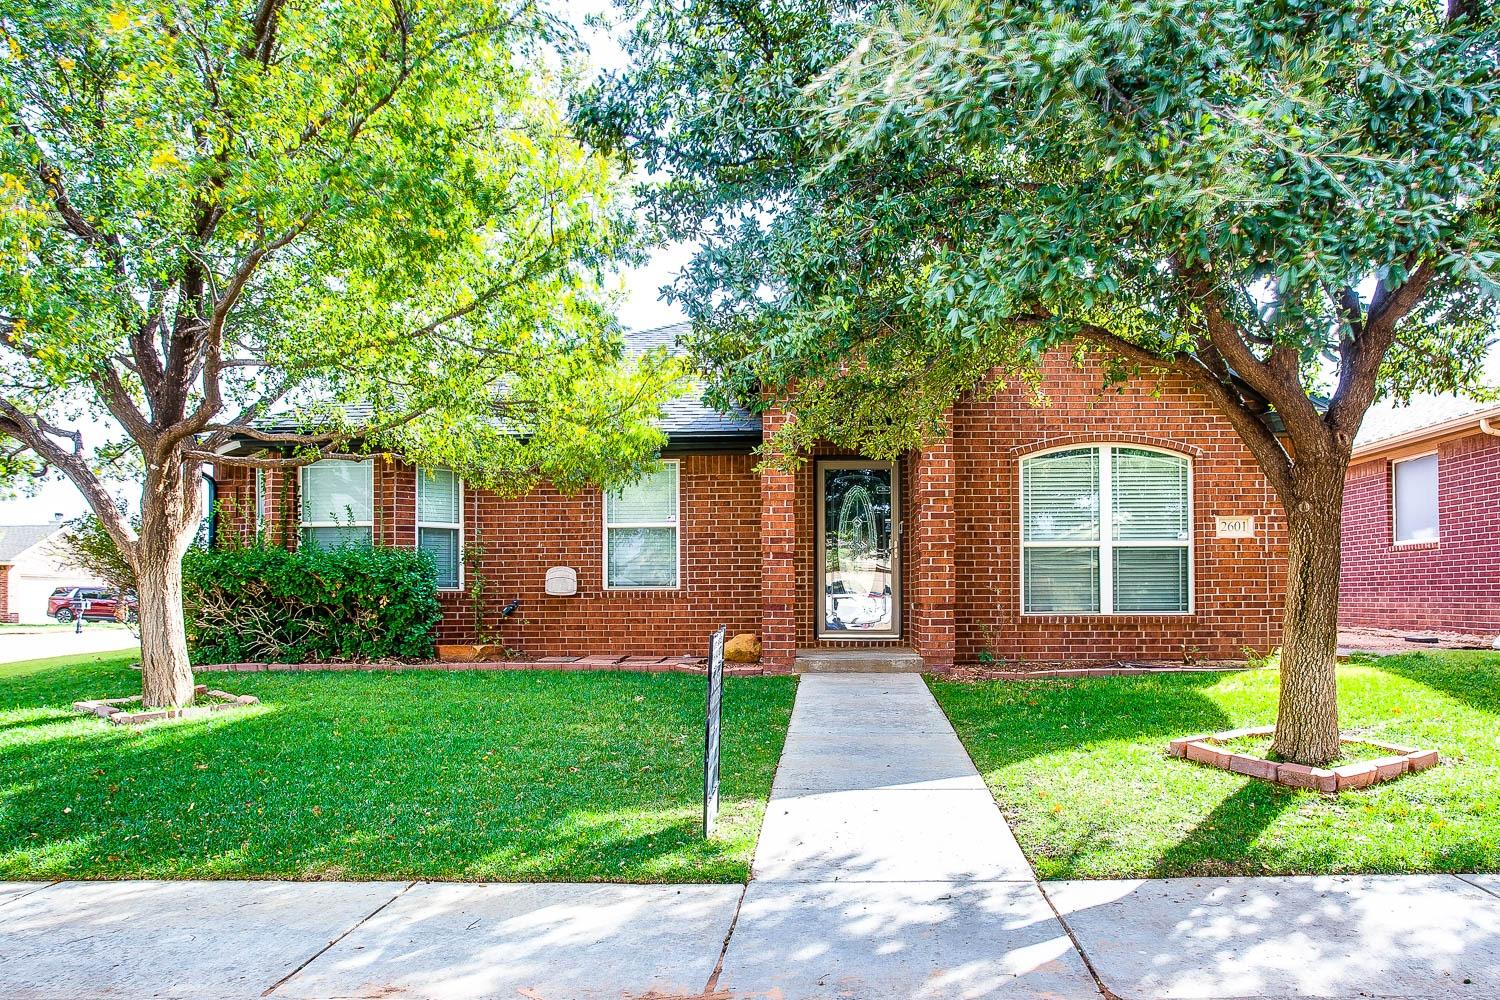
[(1359, 366), (36, 433), (1276, 380), (1268, 451)]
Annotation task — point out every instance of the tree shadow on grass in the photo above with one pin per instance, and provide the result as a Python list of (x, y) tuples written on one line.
[(1469, 677), (1005, 722), (1224, 841)]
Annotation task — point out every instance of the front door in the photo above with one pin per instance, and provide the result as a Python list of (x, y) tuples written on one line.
[(858, 546)]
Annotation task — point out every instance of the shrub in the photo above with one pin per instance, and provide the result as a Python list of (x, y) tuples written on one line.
[(263, 603)]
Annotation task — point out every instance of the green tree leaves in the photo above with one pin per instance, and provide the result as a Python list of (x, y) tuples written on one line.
[(951, 175)]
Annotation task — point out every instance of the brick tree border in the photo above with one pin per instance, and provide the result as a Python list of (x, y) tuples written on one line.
[(1206, 749), (117, 712)]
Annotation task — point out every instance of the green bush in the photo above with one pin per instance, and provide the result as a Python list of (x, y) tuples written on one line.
[(263, 603)]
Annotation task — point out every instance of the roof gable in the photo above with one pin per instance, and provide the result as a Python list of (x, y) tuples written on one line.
[(17, 538)]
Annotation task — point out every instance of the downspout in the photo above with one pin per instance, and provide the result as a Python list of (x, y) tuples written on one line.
[(213, 511), (1485, 427)]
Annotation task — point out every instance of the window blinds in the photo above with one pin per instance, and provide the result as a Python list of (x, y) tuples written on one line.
[(337, 492)]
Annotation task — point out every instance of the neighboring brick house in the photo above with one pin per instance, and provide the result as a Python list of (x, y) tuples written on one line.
[(927, 553), (1421, 545)]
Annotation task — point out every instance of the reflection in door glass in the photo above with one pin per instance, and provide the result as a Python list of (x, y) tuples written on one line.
[(858, 573)]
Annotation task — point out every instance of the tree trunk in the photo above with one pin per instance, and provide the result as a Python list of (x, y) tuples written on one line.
[(1307, 719), (166, 674), (169, 515)]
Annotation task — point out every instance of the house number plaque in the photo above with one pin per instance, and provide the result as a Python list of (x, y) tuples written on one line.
[(1236, 526)]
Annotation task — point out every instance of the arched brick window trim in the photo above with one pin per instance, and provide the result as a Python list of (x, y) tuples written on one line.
[(1097, 438)]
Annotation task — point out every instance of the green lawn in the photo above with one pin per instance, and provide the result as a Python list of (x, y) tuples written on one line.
[(481, 776), (1080, 770)]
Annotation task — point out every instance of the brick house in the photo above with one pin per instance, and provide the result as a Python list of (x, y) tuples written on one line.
[(988, 542), (1421, 544)]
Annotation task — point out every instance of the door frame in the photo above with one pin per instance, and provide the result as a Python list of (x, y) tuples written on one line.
[(898, 596)]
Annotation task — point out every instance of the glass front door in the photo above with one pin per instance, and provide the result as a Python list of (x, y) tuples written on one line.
[(859, 571)]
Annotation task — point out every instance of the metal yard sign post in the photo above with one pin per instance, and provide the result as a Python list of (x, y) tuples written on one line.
[(711, 731)]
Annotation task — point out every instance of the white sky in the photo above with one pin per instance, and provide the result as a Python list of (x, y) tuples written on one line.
[(641, 306)]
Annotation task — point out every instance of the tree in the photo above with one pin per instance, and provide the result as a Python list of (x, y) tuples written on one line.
[(364, 217), (1290, 202), (86, 543)]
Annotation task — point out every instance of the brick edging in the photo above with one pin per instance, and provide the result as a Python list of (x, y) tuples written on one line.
[(695, 665), (621, 664), (1204, 749), (116, 712)]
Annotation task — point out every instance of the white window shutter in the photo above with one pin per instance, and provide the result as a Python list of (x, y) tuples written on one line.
[(437, 496), (1150, 579), (1061, 580), (652, 499), (1415, 484)]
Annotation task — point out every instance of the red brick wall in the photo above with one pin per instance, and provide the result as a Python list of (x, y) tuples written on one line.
[(1452, 584), (518, 539), (961, 546), (1238, 583), (234, 488), (931, 534), (748, 544), (719, 521), (6, 614)]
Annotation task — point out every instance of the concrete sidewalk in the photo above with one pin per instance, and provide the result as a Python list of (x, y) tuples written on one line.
[(1351, 938), (241, 940), (17, 646)]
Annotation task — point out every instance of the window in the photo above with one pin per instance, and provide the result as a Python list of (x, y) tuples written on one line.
[(640, 532), (337, 503), (1106, 529), (1414, 499), (440, 523)]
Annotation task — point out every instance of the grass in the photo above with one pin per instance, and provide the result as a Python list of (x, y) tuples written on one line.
[(1079, 768), (465, 776)]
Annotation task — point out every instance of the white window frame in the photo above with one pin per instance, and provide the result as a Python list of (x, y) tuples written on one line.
[(1106, 542), (420, 524), (675, 524), (302, 493), (1437, 506)]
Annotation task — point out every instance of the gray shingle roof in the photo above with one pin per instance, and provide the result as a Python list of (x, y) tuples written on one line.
[(1386, 419), (17, 538), (689, 414), (683, 418)]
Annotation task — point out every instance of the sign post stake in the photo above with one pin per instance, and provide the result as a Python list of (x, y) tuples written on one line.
[(714, 708)]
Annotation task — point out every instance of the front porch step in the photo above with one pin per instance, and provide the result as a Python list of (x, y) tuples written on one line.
[(872, 660)]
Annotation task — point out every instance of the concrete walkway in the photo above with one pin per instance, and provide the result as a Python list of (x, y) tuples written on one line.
[(884, 868), (883, 872)]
